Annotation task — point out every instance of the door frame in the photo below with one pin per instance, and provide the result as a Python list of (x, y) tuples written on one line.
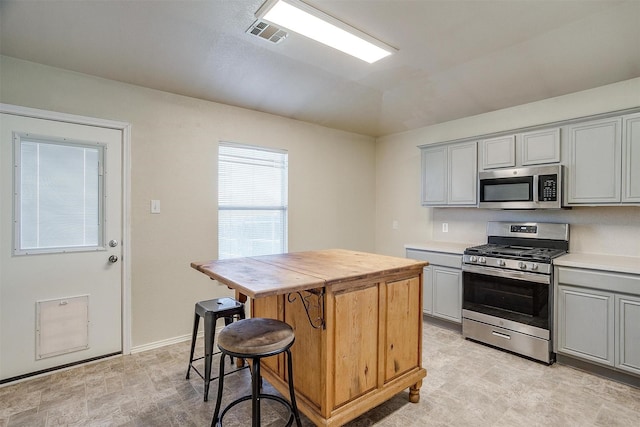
[(125, 128)]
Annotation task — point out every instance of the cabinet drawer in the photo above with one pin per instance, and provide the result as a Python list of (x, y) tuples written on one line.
[(436, 258), (613, 282)]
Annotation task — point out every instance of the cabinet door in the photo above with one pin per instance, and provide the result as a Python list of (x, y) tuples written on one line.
[(427, 291), (499, 152), (595, 162), (586, 324), (628, 333), (434, 176), (403, 323), (271, 307), (540, 147), (463, 173), (356, 345), (447, 293), (631, 159)]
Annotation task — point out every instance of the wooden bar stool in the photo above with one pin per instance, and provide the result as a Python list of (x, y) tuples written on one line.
[(211, 310), (254, 339)]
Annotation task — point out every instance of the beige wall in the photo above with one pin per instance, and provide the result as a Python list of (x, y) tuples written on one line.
[(174, 154), (595, 230), (344, 189)]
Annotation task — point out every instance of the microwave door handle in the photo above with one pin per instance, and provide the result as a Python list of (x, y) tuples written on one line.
[(535, 189)]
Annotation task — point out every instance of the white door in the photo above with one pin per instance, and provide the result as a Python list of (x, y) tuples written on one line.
[(60, 222)]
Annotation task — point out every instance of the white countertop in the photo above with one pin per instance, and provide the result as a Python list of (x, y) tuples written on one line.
[(614, 263), (439, 246)]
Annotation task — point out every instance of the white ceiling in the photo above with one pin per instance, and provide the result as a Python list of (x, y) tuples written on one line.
[(455, 59)]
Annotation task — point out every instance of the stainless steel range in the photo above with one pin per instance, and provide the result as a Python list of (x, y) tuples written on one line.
[(508, 287)]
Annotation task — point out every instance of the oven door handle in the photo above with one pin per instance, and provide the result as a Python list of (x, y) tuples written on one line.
[(508, 274)]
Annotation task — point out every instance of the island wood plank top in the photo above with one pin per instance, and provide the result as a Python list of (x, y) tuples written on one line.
[(297, 271)]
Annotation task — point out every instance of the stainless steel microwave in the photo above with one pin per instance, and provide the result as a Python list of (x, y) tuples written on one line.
[(523, 188)]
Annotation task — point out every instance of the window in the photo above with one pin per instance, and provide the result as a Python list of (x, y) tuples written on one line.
[(58, 195), (252, 201)]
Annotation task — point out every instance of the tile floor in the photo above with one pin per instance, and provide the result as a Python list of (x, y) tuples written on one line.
[(468, 384)]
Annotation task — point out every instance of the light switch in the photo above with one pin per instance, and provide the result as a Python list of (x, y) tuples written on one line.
[(155, 206)]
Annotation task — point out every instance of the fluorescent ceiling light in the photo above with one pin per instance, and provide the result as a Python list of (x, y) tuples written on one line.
[(301, 18)]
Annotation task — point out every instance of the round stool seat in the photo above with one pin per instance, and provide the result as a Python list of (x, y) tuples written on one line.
[(255, 337)]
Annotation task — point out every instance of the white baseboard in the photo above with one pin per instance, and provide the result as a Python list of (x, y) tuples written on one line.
[(168, 341)]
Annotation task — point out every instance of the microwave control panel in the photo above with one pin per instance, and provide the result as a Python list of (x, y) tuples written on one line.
[(548, 191)]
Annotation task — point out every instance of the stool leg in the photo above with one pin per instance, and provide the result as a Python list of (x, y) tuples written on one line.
[(216, 412), (196, 321), (227, 322), (240, 361), (292, 393), (255, 392), (209, 336)]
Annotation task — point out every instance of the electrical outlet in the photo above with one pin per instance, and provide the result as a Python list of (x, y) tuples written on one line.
[(155, 206), (445, 227)]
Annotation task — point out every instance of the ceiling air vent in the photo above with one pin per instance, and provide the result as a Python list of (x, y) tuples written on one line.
[(267, 31)]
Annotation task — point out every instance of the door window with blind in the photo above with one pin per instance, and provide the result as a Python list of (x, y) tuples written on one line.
[(252, 201), (58, 190)]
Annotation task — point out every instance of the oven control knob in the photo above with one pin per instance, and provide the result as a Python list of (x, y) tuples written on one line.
[(482, 260), (534, 266), (501, 263), (473, 258), (522, 266)]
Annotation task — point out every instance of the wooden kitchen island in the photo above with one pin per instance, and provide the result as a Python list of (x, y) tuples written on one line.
[(357, 319)]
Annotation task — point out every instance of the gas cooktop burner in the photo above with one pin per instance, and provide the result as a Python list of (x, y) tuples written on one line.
[(515, 252)]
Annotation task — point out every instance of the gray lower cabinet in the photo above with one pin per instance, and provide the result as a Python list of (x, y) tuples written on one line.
[(628, 337), (598, 317), (442, 284), (586, 324), (446, 293)]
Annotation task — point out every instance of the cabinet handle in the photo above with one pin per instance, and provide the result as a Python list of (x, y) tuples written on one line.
[(498, 334)]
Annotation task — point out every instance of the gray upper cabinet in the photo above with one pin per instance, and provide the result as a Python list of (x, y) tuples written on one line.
[(498, 152), (524, 149), (540, 147), (600, 158), (450, 174), (594, 162), (434, 176), (631, 159)]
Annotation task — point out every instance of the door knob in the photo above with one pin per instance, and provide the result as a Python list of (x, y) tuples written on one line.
[(113, 259)]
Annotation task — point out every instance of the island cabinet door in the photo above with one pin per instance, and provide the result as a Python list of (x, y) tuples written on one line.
[(355, 355), (270, 308), (306, 352), (403, 312)]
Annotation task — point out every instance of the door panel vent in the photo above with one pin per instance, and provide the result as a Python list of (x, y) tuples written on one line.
[(62, 326), (267, 31)]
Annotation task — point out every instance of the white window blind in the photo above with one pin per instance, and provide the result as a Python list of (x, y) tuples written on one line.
[(252, 201), (58, 191)]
